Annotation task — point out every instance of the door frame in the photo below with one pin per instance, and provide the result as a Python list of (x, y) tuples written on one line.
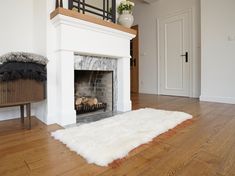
[(192, 45), (137, 60)]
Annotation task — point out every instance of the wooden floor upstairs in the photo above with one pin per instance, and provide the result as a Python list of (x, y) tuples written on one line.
[(205, 147)]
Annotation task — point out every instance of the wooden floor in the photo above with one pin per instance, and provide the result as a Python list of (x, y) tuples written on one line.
[(204, 148)]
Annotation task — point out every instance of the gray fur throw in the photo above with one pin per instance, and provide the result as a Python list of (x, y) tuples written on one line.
[(23, 57)]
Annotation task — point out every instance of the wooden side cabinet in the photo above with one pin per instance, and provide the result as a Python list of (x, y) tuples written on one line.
[(22, 93)]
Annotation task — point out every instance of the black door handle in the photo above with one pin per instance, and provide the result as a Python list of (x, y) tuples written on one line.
[(186, 56)]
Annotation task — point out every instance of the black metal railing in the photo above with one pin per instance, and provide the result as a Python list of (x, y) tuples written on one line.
[(107, 12)]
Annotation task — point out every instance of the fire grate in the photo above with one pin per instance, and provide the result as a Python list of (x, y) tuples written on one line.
[(85, 108)]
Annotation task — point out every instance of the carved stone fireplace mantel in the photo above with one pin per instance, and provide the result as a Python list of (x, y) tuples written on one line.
[(86, 37)]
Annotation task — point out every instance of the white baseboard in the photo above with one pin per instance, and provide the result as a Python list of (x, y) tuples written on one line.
[(228, 100)]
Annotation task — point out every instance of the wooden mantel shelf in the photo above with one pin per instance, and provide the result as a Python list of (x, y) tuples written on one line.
[(91, 19)]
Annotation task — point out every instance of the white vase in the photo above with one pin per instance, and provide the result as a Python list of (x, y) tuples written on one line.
[(126, 19)]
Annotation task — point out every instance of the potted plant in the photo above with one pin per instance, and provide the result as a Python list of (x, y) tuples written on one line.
[(125, 13)]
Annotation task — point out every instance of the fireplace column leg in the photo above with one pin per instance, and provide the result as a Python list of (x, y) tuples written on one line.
[(123, 77), (65, 95)]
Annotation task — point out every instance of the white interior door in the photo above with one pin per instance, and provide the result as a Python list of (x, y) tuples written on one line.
[(174, 51)]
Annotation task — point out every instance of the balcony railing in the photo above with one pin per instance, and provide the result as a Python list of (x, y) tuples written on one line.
[(107, 10)]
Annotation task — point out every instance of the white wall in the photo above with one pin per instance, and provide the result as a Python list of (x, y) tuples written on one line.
[(16, 34), (40, 24), (146, 17), (218, 50), (16, 31)]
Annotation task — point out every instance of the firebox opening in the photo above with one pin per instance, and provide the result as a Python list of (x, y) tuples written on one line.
[(93, 91)]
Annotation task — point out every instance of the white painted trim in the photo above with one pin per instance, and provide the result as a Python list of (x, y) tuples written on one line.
[(192, 45), (228, 100), (195, 87), (158, 56), (191, 52)]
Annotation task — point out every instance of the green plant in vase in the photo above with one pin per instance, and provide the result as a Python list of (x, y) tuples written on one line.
[(124, 9)]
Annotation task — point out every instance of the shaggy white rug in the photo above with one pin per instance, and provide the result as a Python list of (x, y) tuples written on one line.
[(104, 141)]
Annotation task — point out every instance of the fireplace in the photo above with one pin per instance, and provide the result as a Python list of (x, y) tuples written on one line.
[(95, 87), (72, 38), (93, 91)]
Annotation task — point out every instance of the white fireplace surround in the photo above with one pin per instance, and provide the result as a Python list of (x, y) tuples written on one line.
[(78, 36)]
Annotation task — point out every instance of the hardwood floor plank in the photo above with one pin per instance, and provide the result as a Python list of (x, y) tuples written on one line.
[(126, 166), (204, 147), (86, 170), (203, 169), (223, 147)]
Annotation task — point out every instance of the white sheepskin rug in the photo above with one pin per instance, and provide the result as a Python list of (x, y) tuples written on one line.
[(104, 141)]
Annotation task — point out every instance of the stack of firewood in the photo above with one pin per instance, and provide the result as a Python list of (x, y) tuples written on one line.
[(86, 101)]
